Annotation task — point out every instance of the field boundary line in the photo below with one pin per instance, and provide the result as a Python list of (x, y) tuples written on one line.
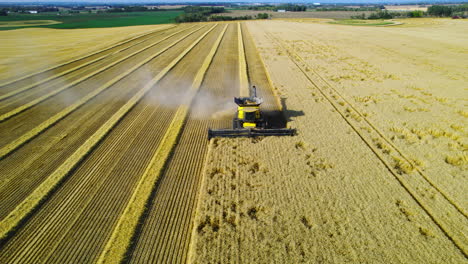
[(121, 237), (84, 78), (381, 134), (458, 244), (83, 57), (60, 115), (243, 79), (30, 86), (9, 223)]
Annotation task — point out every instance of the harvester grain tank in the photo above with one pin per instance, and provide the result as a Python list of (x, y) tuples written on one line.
[(249, 121)]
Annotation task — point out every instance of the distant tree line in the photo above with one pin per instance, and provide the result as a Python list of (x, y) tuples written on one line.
[(292, 8), (25, 9), (122, 9), (230, 18), (198, 13), (201, 14), (448, 11), (343, 8), (435, 10), (205, 10), (259, 7), (287, 7), (389, 15)]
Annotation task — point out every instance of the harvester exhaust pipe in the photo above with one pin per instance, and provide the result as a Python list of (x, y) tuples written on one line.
[(253, 91)]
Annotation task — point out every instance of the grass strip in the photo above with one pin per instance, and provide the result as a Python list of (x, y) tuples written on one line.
[(42, 191), (119, 242), (27, 87), (80, 58), (75, 82), (57, 117), (243, 79)]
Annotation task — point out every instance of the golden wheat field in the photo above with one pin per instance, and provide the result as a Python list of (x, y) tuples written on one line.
[(105, 157)]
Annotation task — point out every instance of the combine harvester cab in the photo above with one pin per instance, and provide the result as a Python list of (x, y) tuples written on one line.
[(249, 121)]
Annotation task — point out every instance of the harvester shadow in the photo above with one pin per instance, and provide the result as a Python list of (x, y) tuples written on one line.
[(280, 119)]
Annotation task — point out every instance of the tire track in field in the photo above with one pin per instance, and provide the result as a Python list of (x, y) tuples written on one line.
[(75, 63), (47, 186), (11, 108), (243, 73), (436, 210), (7, 149), (164, 235)]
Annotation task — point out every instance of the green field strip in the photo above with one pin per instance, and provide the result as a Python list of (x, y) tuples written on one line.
[(120, 239), (33, 200), (25, 88), (243, 79), (83, 57), (75, 82), (456, 236), (57, 117)]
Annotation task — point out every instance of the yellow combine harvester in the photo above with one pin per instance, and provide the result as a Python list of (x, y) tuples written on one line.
[(249, 121)]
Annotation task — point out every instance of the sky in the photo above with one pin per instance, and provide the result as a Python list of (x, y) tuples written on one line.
[(230, 1)]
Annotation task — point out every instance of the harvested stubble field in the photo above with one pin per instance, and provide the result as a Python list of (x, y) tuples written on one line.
[(105, 159)]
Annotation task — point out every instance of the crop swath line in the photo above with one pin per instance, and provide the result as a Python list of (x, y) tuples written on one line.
[(62, 210), (83, 57), (85, 136), (4, 151), (164, 234), (129, 135), (457, 243), (47, 186), (119, 241), (62, 253), (195, 130), (244, 81), (55, 76), (75, 82)]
